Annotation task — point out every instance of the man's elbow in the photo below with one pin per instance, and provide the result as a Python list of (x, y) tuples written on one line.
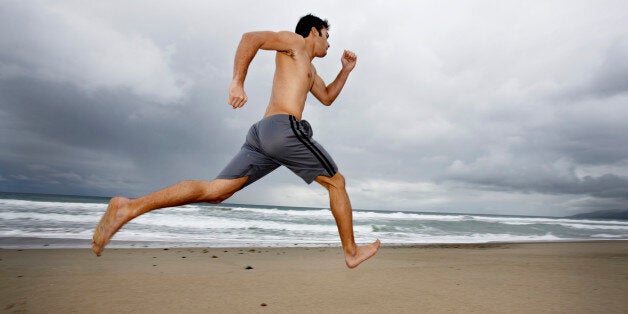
[(247, 36), (327, 101), (253, 37)]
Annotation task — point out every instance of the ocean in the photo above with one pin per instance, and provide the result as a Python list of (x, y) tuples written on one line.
[(55, 221)]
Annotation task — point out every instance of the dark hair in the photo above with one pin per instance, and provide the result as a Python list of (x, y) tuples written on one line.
[(307, 22)]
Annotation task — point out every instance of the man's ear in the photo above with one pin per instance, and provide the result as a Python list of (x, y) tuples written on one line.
[(314, 32)]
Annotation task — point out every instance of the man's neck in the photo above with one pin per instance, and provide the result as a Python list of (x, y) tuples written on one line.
[(310, 48)]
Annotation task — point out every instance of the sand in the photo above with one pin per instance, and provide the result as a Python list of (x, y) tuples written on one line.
[(491, 278)]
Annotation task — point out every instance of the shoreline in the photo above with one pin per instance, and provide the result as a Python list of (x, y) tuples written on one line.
[(574, 277), (28, 243)]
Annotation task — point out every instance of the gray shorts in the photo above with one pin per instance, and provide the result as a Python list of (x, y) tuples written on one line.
[(280, 140)]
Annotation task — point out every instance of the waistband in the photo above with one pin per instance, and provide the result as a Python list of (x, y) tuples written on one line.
[(284, 116), (289, 120), (280, 115)]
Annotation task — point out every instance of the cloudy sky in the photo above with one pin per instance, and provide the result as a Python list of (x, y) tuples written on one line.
[(509, 107)]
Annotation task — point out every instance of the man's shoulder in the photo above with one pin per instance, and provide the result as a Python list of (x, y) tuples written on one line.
[(292, 43), (292, 38), (290, 34), (278, 41)]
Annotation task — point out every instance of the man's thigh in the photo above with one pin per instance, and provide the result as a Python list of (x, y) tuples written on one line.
[(292, 145)]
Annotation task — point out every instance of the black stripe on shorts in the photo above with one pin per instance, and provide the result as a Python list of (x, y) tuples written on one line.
[(302, 137)]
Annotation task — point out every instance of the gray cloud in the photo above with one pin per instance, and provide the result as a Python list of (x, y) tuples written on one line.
[(467, 107)]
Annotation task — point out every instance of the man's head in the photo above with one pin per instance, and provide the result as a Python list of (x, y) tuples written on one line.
[(317, 28), (304, 27)]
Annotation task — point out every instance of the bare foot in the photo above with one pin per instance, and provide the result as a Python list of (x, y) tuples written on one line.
[(362, 254), (112, 220)]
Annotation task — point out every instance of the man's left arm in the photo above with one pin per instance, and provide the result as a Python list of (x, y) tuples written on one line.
[(326, 94)]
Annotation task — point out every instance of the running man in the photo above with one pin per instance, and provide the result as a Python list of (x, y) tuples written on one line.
[(280, 138)]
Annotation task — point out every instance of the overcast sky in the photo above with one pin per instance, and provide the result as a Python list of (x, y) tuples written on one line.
[(507, 107)]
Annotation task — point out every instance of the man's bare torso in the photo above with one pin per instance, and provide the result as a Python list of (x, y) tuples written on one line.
[(294, 76)]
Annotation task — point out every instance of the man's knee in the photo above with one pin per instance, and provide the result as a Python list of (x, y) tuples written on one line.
[(336, 181), (219, 190), (217, 199)]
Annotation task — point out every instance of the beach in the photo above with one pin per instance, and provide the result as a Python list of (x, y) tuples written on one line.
[(556, 277)]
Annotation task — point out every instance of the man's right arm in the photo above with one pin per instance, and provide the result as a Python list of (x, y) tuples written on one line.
[(248, 47)]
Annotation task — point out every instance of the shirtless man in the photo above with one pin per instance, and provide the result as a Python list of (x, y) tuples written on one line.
[(280, 138)]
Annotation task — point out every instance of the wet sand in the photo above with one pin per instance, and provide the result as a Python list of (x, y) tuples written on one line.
[(482, 278)]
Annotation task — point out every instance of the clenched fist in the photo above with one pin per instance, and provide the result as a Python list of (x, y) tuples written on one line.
[(237, 96), (348, 60)]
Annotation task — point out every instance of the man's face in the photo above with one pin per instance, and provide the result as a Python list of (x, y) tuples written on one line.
[(322, 43)]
